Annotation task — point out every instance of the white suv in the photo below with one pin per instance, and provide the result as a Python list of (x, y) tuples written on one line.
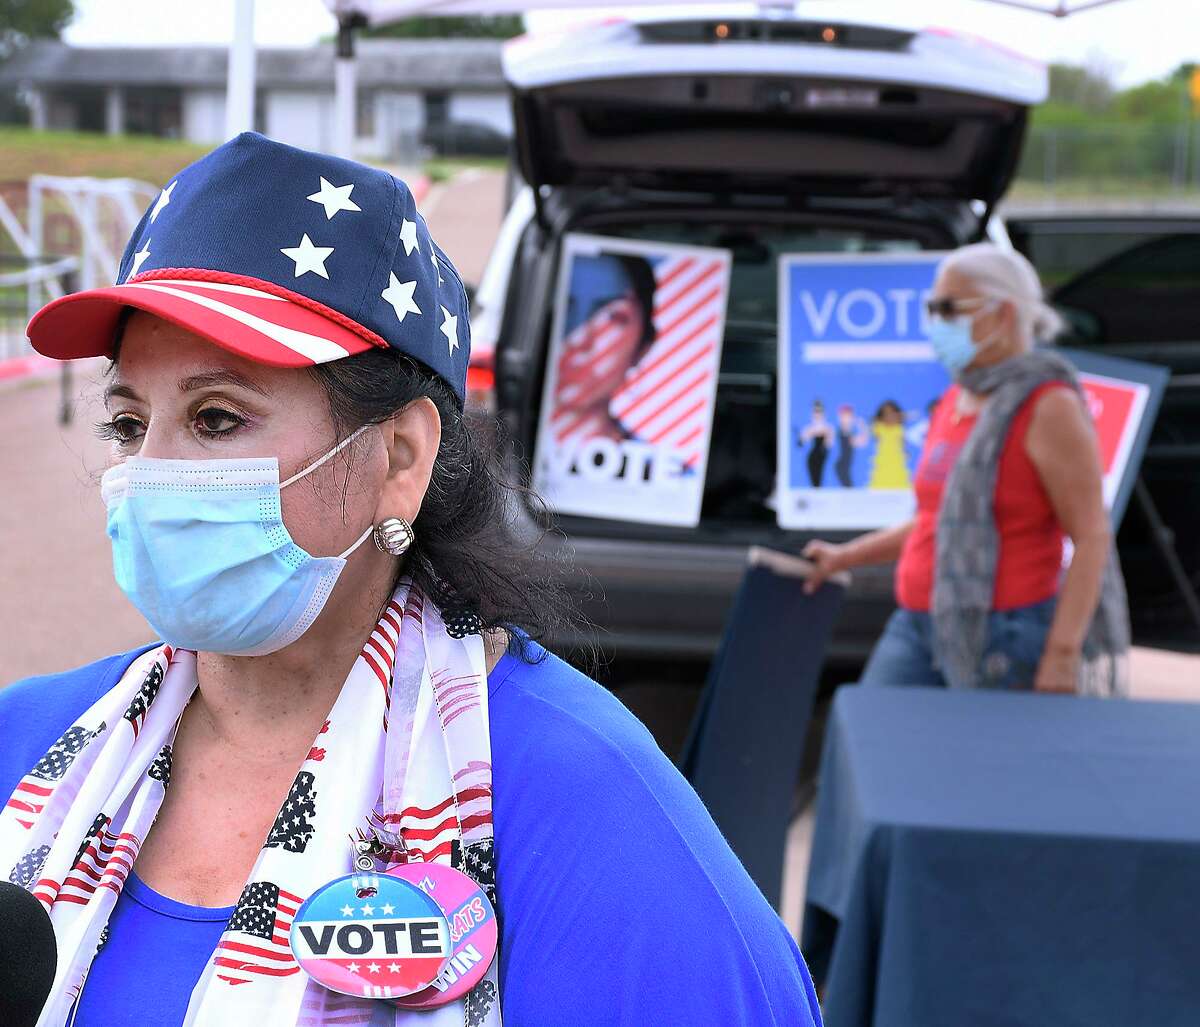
[(762, 136)]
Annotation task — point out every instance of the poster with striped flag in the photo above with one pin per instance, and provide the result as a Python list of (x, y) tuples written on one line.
[(631, 381)]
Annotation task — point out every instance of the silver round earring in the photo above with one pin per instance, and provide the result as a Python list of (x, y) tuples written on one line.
[(394, 535)]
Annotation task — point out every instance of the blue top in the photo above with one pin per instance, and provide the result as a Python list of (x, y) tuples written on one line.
[(606, 861)]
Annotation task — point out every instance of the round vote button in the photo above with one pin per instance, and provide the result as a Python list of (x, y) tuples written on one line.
[(473, 931), (371, 935)]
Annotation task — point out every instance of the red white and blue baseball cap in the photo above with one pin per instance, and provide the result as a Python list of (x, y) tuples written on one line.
[(284, 256)]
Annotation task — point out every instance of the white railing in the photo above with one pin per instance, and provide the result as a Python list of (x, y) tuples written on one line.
[(102, 212)]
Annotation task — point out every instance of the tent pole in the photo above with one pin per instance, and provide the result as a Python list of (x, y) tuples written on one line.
[(345, 85)]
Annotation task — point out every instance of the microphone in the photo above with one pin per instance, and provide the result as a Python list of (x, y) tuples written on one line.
[(28, 956)]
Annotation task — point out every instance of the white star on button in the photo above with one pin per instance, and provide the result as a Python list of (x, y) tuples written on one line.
[(308, 257), (394, 968), (353, 968), (334, 198), (347, 911), (139, 258), (400, 295), (373, 968), (163, 199), (389, 909), (408, 236), (450, 329)]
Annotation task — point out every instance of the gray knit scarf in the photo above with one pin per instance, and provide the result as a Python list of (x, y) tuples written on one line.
[(968, 543)]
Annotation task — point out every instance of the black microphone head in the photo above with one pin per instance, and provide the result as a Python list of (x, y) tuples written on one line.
[(28, 956)]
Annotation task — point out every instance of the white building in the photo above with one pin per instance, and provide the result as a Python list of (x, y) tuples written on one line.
[(448, 93)]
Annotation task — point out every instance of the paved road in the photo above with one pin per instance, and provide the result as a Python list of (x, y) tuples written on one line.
[(59, 606)]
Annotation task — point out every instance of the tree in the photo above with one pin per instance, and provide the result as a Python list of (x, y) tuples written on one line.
[(503, 26), (23, 20), (1087, 87), (1165, 100)]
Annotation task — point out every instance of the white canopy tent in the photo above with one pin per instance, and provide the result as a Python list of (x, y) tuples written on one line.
[(353, 15), (376, 12)]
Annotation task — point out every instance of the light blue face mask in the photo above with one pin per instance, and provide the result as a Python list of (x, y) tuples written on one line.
[(952, 343), (200, 548)]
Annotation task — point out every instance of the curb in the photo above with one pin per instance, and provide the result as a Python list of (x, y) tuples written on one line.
[(16, 368)]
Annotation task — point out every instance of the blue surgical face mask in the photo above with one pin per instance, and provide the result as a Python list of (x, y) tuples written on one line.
[(952, 343), (200, 548)]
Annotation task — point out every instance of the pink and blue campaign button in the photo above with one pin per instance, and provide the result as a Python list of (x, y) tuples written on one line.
[(371, 935), (473, 932)]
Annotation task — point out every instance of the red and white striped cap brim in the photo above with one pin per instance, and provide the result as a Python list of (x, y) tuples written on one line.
[(255, 319)]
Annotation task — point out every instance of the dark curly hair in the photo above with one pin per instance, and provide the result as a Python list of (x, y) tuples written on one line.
[(468, 555)]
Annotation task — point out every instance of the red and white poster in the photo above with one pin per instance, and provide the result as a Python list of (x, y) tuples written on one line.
[(1116, 407), (631, 379)]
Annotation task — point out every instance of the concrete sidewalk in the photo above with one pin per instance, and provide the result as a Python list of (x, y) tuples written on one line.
[(59, 605)]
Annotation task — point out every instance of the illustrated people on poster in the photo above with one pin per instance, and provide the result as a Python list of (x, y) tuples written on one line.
[(889, 466), (819, 436), (609, 326), (852, 435)]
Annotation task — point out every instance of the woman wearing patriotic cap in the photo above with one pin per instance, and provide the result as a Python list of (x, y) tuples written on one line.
[(347, 679)]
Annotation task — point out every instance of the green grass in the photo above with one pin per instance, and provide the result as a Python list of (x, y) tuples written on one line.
[(1104, 191), (442, 169), (89, 153)]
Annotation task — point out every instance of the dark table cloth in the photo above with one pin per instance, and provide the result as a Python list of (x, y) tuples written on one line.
[(985, 858)]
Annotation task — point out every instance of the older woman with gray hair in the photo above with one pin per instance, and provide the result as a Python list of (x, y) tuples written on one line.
[(1010, 470)]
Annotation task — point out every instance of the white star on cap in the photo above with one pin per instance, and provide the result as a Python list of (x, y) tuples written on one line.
[(408, 236), (436, 266), (163, 199), (139, 258), (334, 198), (450, 329), (308, 257), (400, 295)]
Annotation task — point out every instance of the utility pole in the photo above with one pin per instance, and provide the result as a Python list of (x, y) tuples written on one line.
[(239, 85)]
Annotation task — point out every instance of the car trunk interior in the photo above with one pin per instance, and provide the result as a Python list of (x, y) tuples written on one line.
[(769, 134), (742, 454)]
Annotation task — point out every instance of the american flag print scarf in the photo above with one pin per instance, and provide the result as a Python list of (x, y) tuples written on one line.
[(406, 747)]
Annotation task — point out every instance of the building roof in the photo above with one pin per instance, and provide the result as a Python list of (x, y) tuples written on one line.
[(402, 63)]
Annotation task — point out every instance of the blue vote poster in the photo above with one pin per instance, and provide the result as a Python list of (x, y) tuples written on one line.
[(858, 382)]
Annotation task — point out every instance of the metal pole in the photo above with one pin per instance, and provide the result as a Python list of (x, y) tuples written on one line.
[(239, 85), (66, 392), (345, 86)]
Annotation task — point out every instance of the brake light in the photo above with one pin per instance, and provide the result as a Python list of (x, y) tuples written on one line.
[(481, 385)]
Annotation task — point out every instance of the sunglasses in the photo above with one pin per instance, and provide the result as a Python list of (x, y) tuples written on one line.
[(947, 308)]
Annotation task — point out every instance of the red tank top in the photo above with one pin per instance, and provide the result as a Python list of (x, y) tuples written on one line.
[(1031, 540)]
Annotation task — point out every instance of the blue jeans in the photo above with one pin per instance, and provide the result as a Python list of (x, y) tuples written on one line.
[(1015, 640)]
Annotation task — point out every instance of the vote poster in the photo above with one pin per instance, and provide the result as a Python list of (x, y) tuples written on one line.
[(858, 382), (1123, 398), (627, 407)]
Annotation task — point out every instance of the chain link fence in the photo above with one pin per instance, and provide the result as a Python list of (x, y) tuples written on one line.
[(1112, 164)]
